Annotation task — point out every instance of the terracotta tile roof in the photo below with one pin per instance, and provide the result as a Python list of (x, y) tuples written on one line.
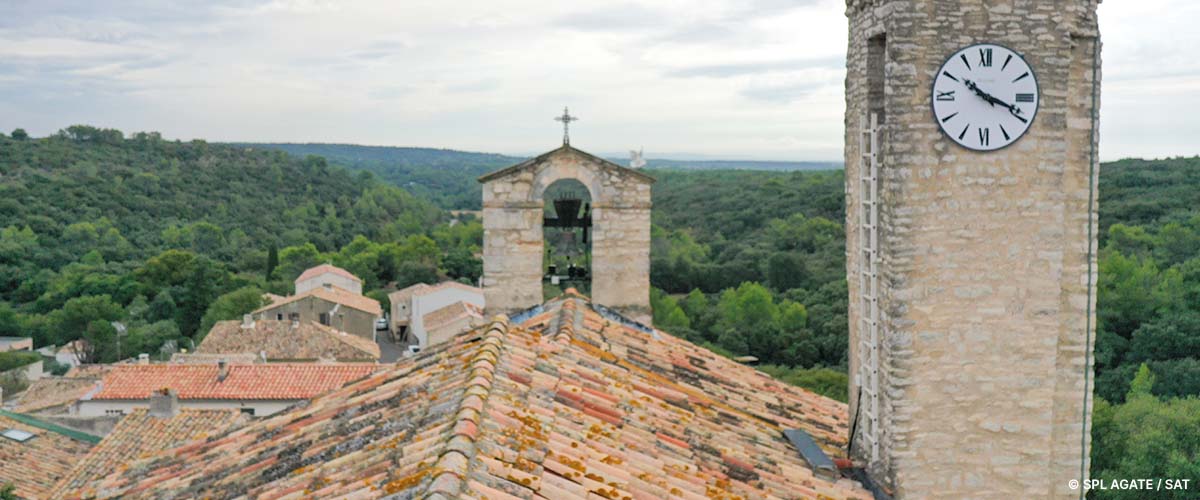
[(285, 340), (52, 392), (88, 371), (36, 465), (566, 405), (194, 358), (139, 435), (313, 272), (420, 289), (332, 294), (450, 313), (261, 381)]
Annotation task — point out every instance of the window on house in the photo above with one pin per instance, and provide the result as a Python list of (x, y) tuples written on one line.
[(324, 318), (294, 316), (248, 411), (114, 413), (279, 316)]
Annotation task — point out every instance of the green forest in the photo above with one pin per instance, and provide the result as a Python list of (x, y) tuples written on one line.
[(138, 244)]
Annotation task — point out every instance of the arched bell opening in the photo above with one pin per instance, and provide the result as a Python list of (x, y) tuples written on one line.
[(566, 237)]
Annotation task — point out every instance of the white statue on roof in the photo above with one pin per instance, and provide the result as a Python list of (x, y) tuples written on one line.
[(635, 159)]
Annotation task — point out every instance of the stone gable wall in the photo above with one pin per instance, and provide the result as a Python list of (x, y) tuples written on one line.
[(513, 241), (986, 296)]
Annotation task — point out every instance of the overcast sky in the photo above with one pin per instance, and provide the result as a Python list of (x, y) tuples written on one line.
[(736, 79)]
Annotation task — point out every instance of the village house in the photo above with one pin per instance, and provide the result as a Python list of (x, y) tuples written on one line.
[(255, 389), (327, 304), (328, 275), (412, 306), (275, 340), (443, 324), (16, 344)]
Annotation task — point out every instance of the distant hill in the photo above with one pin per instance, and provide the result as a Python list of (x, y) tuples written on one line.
[(447, 177), (444, 176), (773, 166), (91, 189)]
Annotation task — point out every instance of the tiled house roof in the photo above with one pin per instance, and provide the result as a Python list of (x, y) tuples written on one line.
[(313, 272), (53, 392), (261, 381), (331, 294), (419, 289), (88, 371), (139, 435), (453, 312), (34, 466), (566, 405), (285, 340)]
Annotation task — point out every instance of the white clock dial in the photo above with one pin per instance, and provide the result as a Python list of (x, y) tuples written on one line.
[(985, 97)]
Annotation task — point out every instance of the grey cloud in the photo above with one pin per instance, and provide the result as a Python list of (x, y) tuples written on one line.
[(780, 94), (476, 86), (701, 32), (627, 17), (754, 68)]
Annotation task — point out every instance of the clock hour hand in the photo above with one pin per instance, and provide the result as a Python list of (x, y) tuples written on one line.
[(993, 100)]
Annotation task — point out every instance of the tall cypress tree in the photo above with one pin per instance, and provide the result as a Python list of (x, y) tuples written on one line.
[(272, 260)]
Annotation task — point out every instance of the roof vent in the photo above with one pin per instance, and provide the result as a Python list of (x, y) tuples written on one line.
[(222, 370), (812, 454), (17, 435)]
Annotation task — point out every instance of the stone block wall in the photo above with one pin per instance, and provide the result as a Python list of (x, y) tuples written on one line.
[(987, 259), (513, 245)]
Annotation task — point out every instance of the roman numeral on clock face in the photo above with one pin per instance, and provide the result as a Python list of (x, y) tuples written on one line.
[(985, 58), (945, 96), (1024, 97), (984, 136)]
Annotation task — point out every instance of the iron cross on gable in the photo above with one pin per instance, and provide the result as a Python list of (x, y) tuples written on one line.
[(566, 120)]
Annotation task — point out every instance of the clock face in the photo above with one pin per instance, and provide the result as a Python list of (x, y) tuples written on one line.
[(985, 97)]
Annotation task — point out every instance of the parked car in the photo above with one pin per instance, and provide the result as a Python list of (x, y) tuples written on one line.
[(381, 324)]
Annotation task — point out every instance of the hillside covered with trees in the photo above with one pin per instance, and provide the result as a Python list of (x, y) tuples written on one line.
[(165, 237)]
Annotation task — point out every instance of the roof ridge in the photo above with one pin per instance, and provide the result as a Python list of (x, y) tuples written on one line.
[(452, 465), (565, 148), (565, 330)]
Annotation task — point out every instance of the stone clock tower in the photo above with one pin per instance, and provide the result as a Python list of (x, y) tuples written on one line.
[(971, 244)]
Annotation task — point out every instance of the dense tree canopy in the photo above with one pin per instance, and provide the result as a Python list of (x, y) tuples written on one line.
[(138, 244)]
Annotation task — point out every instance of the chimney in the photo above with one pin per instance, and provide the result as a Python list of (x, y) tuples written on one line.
[(164, 403), (222, 370), (143, 359), (247, 321)]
